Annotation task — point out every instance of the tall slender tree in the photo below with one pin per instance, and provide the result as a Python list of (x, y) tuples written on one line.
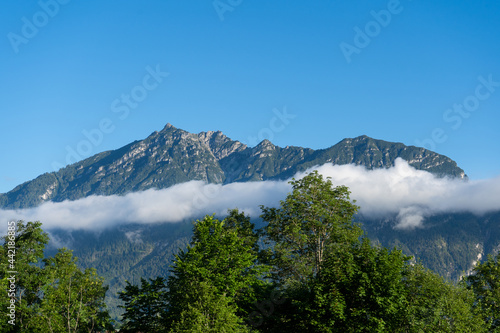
[(313, 219)]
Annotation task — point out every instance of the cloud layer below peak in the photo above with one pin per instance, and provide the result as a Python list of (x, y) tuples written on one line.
[(400, 191)]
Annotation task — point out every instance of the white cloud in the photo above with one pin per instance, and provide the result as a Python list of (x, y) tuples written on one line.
[(184, 201), (410, 217), (413, 194), (400, 191)]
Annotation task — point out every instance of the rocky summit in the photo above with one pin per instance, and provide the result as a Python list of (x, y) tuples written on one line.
[(174, 156)]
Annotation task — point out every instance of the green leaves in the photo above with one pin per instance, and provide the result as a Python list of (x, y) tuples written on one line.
[(315, 218), (485, 283), (208, 311), (73, 300), (219, 267), (53, 294), (145, 306), (331, 276), (338, 282), (436, 305), (358, 290)]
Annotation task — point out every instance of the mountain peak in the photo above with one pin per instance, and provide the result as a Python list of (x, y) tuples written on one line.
[(265, 143), (219, 144), (173, 156), (168, 126), (361, 138), (209, 135)]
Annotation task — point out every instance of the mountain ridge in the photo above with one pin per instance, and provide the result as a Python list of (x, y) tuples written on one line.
[(172, 156)]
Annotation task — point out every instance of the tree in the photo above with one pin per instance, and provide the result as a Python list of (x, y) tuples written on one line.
[(241, 224), (337, 281), (208, 312), (312, 224), (435, 305), (144, 306), (73, 299), (359, 290), (485, 283), (29, 241), (315, 218), (216, 272), (53, 294)]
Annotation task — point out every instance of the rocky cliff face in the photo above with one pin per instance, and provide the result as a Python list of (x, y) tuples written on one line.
[(173, 156)]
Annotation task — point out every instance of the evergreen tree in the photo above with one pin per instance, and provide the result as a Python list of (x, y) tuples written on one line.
[(144, 306)]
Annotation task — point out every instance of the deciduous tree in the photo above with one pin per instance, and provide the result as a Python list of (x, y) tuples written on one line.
[(485, 283), (216, 272), (51, 294), (315, 218)]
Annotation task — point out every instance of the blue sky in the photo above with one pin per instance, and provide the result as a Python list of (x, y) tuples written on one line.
[(419, 72)]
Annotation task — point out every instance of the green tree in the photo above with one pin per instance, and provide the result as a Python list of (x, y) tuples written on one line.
[(219, 266), (53, 294), (435, 305), (313, 220), (336, 281), (29, 241), (144, 306), (241, 224), (73, 299), (313, 223), (208, 311), (485, 283), (359, 290)]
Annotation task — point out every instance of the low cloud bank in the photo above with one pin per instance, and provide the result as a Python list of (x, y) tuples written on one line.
[(400, 191), (174, 204), (412, 194)]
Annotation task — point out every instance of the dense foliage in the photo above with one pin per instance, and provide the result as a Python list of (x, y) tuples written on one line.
[(51, 294), (485, 283), (310, 269), (144, 306), (317, 273)]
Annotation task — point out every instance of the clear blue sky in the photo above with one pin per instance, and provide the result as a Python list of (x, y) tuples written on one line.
[(69, 67)]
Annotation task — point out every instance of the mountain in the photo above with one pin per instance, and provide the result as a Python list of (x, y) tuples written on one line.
[(173, 156), (449, 244)]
